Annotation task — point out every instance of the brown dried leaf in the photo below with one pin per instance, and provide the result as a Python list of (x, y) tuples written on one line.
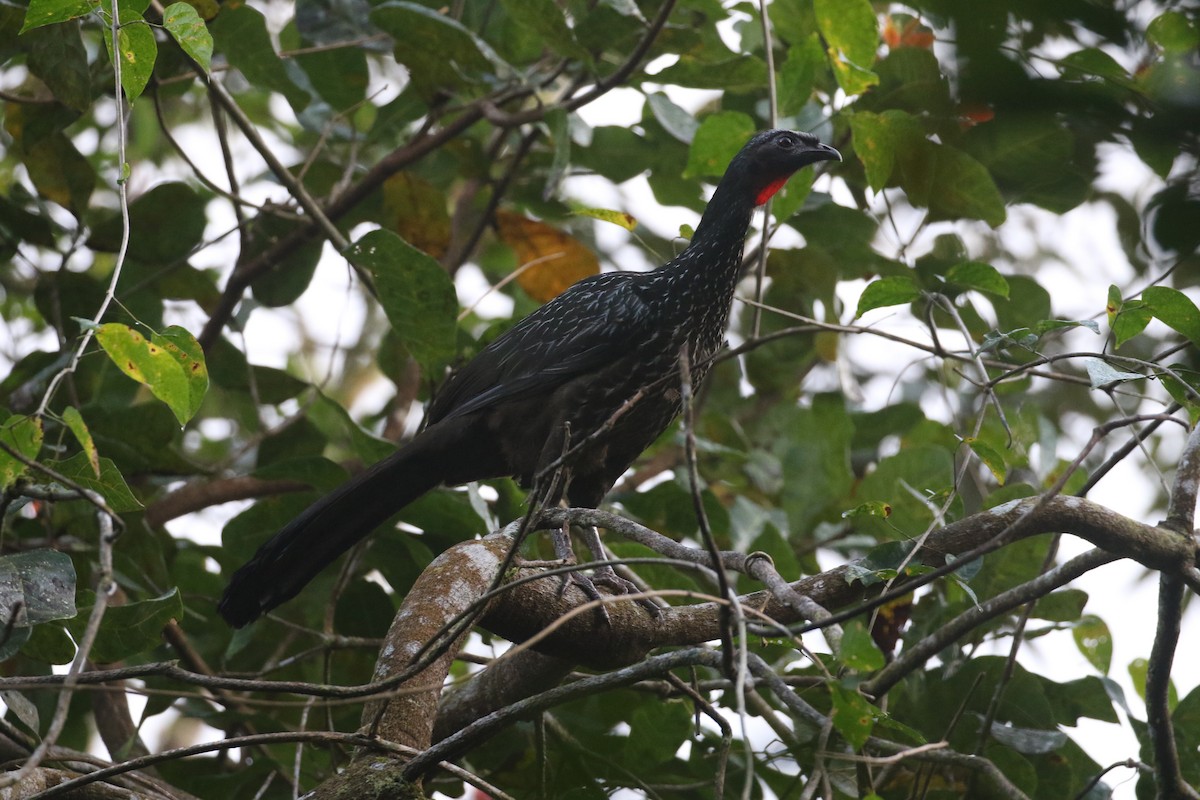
[(416, 209)]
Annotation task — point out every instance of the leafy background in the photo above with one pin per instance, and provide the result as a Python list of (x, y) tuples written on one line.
[(1016, 208)]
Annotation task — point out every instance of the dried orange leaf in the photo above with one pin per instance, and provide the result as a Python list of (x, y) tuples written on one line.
[(550, 260)]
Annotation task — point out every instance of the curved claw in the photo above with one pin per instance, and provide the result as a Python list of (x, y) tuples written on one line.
[(606, 576)]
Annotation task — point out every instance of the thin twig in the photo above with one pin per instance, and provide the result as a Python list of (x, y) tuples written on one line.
[(123, 202), (706, 534)]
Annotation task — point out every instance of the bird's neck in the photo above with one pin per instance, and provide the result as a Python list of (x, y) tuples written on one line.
[(725, 219), (713, 258)]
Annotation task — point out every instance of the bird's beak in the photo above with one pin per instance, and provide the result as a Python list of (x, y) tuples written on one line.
[(824, 152)]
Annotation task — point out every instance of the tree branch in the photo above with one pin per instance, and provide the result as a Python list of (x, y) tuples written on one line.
[(914, 657), (202, 494)]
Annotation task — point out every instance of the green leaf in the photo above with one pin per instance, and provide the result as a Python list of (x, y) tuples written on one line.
[(814, 442), (110, 484), (979, 276), (58, 56), (188, 30), (874, 508), (138, 52), (1103, 376), (990, 457), (184, 348), (59, 171), (879, 137), (740, 73), (74, 422), (417, 295), (240, 32), (48, 12), (1047, 325), (1094, 641), (38, 585), (23, 434), (853, 78), (289, 277), (13, 646), (1126, 318), (961, 187), (1094, 63), (717, 140), (1186, 390), (859, 651), (1172, 31), (50, 644), (851, 29), (892, 291), (1033, 157), (853, 715), (657, 730), (336, 424), (1029, 741), (1138, 669), (1131, 321), (850, 26), (545, 18), (1175, 309), (339, 75), (1089, 697), (880, 564), (799, 73), (1065, 605), (167, 223), (675, 120), (440, 53), (128, 630), (150, 363)]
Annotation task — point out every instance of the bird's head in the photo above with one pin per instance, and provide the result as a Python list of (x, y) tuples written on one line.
[(770, 158)]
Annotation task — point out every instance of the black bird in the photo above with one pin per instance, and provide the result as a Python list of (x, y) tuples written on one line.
[(552, 380)]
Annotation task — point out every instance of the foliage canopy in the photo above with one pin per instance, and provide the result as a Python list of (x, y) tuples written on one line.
[(912, 391)]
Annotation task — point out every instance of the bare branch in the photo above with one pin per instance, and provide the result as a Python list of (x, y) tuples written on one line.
[(202, 494), (914, 657), (1181, 513)]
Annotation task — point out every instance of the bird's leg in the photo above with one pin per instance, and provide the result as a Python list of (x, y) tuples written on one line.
[(604, 575), (561, 538)]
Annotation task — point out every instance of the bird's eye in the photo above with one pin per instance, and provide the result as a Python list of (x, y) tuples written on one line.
[(787, 142)]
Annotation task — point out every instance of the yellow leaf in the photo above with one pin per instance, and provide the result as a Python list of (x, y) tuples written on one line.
[(626, 221)]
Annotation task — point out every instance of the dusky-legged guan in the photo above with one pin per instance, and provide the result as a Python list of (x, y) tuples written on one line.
[(560, 372)]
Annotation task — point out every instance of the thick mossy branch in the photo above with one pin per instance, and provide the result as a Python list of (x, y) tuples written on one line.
[(533, 608)]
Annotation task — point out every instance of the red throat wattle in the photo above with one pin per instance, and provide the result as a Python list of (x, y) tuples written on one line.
[(768, 191)]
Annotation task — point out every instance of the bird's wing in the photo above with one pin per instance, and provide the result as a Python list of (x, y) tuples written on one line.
[(593, 323)]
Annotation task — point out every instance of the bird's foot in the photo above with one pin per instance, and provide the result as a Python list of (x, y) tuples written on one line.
[(604, 576), (589, 590), (607, 576)]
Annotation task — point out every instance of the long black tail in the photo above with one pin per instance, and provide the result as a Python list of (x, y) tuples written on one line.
[(329, 527)]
